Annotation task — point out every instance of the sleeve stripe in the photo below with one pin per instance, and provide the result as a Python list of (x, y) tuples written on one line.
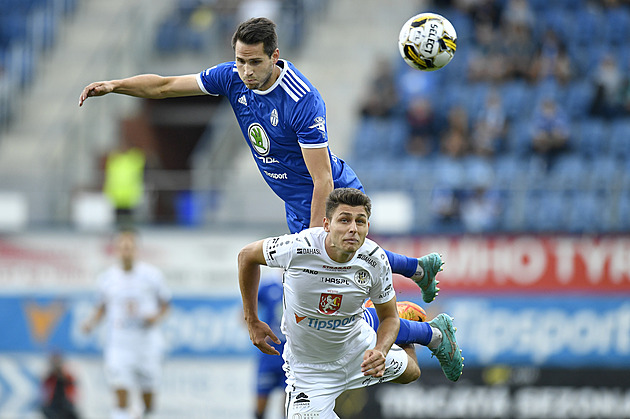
[(201, 86), (295, 77), (315, 145)]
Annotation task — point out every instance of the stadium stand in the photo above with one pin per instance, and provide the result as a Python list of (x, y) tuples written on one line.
[(580, 190)]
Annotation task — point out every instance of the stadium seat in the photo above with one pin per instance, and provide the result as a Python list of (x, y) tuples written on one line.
[(620, 139), (570, 172), (590, 137)]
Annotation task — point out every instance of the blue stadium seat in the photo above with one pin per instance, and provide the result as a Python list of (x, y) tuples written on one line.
[(579, 97), (590, 137), (622, 211), (570, 172), (617, 28), (544, 210), (605, 173), (585, 212), (620, 139)]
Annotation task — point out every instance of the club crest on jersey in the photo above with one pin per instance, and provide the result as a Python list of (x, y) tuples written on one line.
[(362, 276), (319, 123), (274, 117), (329, 303), (259, 139)]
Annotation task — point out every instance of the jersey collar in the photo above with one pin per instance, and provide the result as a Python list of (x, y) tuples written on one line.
[(283, 67)]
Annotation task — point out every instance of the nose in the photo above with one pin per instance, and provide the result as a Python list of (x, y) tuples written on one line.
[(248, 70)]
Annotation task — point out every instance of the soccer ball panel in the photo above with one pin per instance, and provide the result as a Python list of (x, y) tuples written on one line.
[(427, 41)]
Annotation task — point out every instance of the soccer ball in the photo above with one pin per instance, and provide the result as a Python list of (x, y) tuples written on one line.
[(427, 41), (406, 310)]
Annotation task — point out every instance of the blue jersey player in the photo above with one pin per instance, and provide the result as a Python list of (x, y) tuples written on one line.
[(269, 375), (283, 118)]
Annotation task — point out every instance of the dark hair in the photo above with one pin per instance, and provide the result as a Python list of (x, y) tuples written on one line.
[(255, 31), (348, 196)]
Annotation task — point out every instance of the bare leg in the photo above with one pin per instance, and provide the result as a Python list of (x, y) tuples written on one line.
[(412, 372)]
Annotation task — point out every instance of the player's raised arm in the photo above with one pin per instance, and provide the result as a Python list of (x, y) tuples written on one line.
[(250, 258), (318, 164), (149, 86), (374, 359)]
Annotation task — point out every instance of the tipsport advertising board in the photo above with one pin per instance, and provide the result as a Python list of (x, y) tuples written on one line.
[(194, 327)]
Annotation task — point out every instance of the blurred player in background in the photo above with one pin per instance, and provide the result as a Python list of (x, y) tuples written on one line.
[(133, 300), (329, 272), (283, 119), (59, 391), (269, 375)]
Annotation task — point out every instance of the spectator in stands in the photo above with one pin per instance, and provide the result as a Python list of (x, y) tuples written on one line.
[(610, 98), (519, 49), (552, 60), (490, 127), (488, 61), (382, 95), (455, 140), (550, 131), (59, 391), (421, 121)]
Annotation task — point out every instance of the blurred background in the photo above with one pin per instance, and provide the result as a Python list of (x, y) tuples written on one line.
[(534, 227)]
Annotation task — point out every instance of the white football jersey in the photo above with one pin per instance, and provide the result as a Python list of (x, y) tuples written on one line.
[(129, 298), (323, 299)]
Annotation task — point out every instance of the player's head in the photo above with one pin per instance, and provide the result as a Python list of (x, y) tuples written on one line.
[(126, 247), (255, 45), (255, 31), (347, 213), (349, 196)]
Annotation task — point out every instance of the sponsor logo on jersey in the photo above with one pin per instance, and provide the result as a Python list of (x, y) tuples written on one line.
[(308, 251), (242, 100), (272, 244), (336, 281), (299, 318), (336, 268), (274, 117), (267, 160), (259, 139), (319, 123), (309, 271), (362, 276), (277, 176), (329, 303), (332, 324), (366, 258)]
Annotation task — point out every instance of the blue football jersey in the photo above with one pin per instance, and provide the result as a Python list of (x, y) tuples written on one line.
[(277, 123)]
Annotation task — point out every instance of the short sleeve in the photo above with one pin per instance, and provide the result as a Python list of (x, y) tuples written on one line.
[(383, 288), (309, 121), (278, 251), (217, 80)]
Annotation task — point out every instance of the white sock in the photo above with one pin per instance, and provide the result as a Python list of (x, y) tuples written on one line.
[(118, 413), (436, 339)]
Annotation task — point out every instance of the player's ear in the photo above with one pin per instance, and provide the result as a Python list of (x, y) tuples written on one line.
[(275, 56), (326, 225)]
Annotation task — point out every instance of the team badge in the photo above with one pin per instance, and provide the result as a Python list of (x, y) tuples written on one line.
[(362, 276), (274, 117), (259, 139), (329, 303), (319, 123)]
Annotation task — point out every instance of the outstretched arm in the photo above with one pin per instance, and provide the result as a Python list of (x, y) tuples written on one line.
[(250, 259), (149, 86)]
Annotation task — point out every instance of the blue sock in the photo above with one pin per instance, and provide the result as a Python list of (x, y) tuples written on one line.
[(410, 331), (402, 265)]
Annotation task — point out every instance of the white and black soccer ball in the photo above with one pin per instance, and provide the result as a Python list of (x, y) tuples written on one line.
[(427, 41)]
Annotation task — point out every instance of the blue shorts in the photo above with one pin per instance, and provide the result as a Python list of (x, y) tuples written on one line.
[(270, 374)]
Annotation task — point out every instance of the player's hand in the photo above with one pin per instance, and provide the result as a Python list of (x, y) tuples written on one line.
[(98, 88), (258, 333), (373, 363)]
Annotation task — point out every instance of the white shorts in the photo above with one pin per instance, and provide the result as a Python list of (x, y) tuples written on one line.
[(128, 368), (313, 388)]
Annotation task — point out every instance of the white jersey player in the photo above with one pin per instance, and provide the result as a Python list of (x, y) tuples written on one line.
[(329, 272), (133, 298)]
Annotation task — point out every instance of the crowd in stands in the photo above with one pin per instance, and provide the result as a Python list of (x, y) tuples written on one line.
[(28, 30), (527, 129)]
